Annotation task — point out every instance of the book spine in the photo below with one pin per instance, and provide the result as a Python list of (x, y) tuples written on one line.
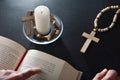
[(20, 61)]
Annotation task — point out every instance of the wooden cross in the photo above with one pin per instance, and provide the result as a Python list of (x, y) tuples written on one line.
[(27, 19), (90, 37)]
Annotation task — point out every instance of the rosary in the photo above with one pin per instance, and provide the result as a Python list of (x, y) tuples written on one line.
[(91, 37)]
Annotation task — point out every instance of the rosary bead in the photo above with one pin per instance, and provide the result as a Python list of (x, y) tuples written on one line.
[(96, 20), (99, 30), (112, 24), (118, 11), (95, 23), (115, 18), (110, 27), (105, 9), (103, 30), (95, 29), (106, 29), (98, 16), (116, 6), (113, 7)]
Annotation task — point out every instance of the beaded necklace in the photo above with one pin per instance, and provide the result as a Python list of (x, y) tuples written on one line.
[(91, 37)]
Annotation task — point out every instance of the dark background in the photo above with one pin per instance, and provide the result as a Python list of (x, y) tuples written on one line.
[(78, 17)]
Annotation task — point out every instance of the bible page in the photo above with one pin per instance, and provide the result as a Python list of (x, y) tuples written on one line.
[(70, 73), (50, 66), (10, 53)]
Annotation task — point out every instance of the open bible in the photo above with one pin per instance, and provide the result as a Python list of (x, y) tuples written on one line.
[(14, 56)]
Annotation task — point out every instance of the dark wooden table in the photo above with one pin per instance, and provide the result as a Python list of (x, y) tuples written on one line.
[(78, 17)]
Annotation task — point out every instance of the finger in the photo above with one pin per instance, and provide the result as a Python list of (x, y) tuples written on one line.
[(100, 75), (111, 75), (23, 75), (2, 71), (29, 72), (8, 72)]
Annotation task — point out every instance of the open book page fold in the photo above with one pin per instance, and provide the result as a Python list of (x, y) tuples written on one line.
[(11, 53)]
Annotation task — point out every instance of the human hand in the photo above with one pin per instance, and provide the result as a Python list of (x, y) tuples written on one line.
[(107, 75), (14, 75)]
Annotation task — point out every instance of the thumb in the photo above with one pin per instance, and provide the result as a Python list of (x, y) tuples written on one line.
[(100, 75)]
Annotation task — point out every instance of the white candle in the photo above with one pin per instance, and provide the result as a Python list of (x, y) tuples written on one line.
[(42, 19)]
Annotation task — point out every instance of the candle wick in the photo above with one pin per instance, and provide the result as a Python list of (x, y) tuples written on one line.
[(41, 11)]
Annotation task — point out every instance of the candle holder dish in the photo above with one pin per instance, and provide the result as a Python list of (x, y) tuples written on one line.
[(31, 33)]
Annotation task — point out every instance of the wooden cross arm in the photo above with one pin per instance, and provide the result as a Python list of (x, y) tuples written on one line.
[(91, 37), (27, 18)]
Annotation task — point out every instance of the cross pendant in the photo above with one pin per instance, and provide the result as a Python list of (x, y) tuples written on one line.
[(28, 20), (90, 37)]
